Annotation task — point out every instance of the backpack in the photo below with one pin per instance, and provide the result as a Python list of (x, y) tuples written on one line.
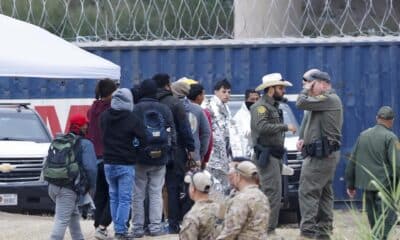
[(157, 136), (62, 166)]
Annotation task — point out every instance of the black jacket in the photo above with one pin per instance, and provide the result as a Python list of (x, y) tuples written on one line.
[(183, 130), (151, 103), (184, 137), (119, 129)]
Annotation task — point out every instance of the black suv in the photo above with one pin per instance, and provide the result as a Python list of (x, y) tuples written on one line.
[(24, 142)]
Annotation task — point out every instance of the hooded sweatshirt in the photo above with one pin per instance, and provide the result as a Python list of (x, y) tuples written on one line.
[(184, 134), (94, 132), (120, 127)]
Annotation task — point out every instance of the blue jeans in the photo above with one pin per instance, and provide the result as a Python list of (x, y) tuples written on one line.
[(120, 187)]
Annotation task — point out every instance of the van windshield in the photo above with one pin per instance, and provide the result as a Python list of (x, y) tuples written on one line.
[(22, 126)]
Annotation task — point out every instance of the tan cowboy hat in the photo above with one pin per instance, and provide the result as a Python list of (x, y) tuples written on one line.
[(273, 79)]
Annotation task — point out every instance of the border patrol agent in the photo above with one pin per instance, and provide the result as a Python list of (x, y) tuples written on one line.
[(268, 135), (376, 149), (307, 77), (322, 140)]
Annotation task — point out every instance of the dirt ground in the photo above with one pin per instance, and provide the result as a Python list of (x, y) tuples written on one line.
[(24, 227)]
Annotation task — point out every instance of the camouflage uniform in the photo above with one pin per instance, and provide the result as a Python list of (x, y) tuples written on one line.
[(201, 222), (268, 130), (247, 216), (325, 119), (220, 156)]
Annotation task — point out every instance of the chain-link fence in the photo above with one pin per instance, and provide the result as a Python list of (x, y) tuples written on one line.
[(93, 20)]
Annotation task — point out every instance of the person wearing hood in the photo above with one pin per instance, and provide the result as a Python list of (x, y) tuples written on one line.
[(197, 119), (120, 127), (150, 171), (102, 214), (198, 124), (185, 146), (241, 142)]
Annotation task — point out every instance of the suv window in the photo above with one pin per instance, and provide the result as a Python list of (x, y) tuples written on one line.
[(288, 116), (22, 126)]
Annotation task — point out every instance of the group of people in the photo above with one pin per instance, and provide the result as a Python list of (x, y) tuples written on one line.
[(162, 133)]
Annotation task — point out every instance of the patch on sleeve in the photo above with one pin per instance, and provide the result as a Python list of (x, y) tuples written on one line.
[(321, 97), (397, 145), (261, 109)]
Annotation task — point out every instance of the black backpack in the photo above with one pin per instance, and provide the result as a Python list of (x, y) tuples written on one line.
[(63, 163), (157, 137)]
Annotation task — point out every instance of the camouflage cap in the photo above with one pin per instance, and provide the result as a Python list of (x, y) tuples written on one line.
[(385, 112), (201, 180), (246, 169)]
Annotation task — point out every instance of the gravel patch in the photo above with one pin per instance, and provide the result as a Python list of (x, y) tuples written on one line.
[(22, 227)]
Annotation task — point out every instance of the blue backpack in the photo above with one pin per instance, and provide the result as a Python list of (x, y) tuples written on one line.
[(157, 137)]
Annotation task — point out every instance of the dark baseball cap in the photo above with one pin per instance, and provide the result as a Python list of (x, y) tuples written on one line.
[(307, 76), (386, 113), (319, 75)]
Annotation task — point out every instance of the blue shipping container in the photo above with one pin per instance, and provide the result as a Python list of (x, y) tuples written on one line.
[(364, 71)]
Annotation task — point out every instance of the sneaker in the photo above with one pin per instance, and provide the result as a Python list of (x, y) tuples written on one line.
[(286, 170), (138, 234), (173, 229), (124, 236), (158, 233), (100, 233)]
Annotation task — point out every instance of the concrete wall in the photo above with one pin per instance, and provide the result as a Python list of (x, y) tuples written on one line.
[(293, 18), (266, 18)]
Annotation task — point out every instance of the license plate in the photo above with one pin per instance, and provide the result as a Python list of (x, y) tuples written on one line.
[(8, 199)]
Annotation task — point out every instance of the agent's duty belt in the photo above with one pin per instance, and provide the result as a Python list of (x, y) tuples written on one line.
[(320, 148)]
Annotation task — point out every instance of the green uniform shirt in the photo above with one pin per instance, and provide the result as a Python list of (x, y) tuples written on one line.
[(303, 124), (267, 127), (325, 116), (374, 154)]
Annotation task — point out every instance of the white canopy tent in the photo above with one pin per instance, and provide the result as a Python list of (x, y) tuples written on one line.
[(27, 50)]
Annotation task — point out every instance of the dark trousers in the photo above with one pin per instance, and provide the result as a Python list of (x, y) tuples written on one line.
[(102, 214), (380, 217), (186, 202), (174, 182)]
